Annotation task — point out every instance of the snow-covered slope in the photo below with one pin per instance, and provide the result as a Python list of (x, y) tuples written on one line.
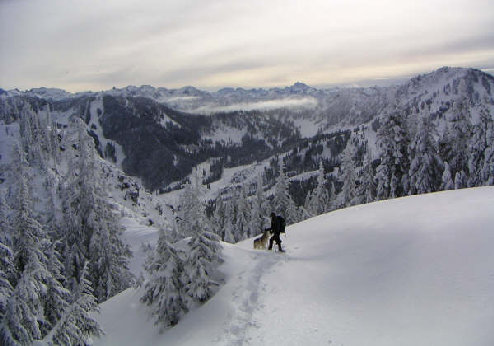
[(411, 271)]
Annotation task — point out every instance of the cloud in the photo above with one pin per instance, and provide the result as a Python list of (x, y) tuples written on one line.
[(97, 44), (306, 102)]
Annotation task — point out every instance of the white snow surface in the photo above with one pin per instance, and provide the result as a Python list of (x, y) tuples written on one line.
[(412, 271), (138, 235)]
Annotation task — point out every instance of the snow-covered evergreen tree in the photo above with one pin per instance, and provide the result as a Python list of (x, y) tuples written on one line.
[(426, 167), (258, 209), (480, 149), (447, 179), (76, 325), (24, 320), (460, 180), (7, 276), (35, 300), (488, 168), (282, 203), (7, 273), (392, 172), (56, 297), (92, 231), (219, 218), (348, 194), (25, 131), (317, 202), (23, 312), (200, 265), (32, 137), (308, 205), (367, 188), (242, 226), (191, 214), (454, 148), (108, 257), (229, 222), (165, 290), (77, 205)]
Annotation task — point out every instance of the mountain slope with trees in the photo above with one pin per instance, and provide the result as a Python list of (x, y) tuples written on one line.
[(75, 168)]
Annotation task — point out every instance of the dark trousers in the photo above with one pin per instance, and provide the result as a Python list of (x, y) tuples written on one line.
[(275, 238)]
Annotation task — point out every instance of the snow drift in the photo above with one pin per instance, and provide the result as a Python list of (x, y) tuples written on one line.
[(412, 271)]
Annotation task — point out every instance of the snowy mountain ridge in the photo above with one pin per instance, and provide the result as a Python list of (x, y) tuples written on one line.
[(252, 125), (187, 98)]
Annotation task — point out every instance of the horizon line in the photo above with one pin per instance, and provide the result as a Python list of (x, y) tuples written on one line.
[(384, 81)]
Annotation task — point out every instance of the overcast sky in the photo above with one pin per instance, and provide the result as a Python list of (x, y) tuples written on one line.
[(96, 44)]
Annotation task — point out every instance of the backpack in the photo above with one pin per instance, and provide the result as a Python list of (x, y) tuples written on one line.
[(282, 223)]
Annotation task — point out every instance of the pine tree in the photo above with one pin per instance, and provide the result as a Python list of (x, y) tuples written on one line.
[(76, 325), (283, 204), (447, 180), (23, 312), (392, 172), (348, 193), (56, 297), (25, 130), (201, 264), (77, 205), (219, 218), (31, 136), (52, 139), (367, 188), (164, 291), (7, 274), (480, 150), (258, 209), (243, 216), (109, 261), (108, 255), (92, 231), (426, 167), (191, 214), (24, 319), (454, 148), (7, 270), (36, 300), (460, 180), (488, 168), (308, 204), (229, 222), (318, 201), (332, 196), (477, 147)]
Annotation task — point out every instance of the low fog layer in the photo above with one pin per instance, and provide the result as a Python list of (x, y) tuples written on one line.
[(306, 102)]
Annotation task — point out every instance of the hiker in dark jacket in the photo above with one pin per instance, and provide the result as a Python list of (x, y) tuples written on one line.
[(275, 229)]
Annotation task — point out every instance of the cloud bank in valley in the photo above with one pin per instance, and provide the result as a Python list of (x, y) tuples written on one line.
[(305, 102)]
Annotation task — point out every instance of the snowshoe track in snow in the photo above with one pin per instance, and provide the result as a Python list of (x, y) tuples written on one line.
[(246, 297)]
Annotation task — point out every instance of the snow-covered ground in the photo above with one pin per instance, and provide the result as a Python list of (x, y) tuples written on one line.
[(411, 271)]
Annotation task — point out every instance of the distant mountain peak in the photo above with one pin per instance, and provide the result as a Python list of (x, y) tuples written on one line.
[(300, 88), (300, 85), (162, 94)]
